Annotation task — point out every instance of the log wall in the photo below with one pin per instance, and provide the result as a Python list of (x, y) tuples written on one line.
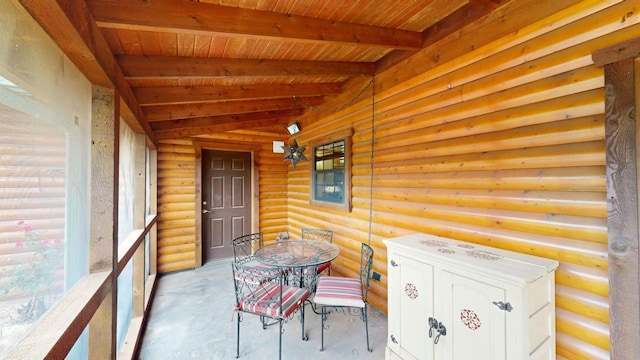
[(177, 193), (495, 140), (493, 135), (176, 205)]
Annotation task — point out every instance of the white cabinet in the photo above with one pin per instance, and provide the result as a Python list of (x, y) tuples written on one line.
[(455, 300)]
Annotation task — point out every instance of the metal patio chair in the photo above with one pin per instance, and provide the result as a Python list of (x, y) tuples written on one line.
[(243, 249), (344, 292), (244, 246), (269, 299), (319, 235)]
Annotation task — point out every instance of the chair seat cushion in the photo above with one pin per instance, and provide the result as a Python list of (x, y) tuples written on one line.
[(265, 300), (339, 291)]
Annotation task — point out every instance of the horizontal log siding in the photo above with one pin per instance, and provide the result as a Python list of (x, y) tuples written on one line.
[(500, 145), (176, 205), (272, 172), (177, 194)]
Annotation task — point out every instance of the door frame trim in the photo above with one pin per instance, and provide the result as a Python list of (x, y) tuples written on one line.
[(255, 198)]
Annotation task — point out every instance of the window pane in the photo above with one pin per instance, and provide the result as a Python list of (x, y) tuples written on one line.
[(43, 249), (32, 218), (44, 141), (329, 172), (147, 210), (125, 225), (125, 302)]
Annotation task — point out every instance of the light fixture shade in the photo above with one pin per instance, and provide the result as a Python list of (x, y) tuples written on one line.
[(294, 153), (293, 128)]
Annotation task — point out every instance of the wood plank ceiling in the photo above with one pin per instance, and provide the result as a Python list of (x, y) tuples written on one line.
[(219, 65)]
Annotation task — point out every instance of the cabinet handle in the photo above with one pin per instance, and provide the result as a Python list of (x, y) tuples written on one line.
[(439, 327), (393, 339), (393, 263), (503, 306), (433, 324), (441, 331)]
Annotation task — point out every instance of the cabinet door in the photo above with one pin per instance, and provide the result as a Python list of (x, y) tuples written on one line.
[(475, 326), (410, 306)]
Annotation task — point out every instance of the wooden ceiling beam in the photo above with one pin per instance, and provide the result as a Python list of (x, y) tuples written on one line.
[(203, 18), (283, 115), (212, 129), (452, 23), (187, 111), (493, 4), (163, 67), (192, 94)]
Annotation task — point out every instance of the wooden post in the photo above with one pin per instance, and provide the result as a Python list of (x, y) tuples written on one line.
[(622, 145), (139, 219), (153, 210), (104, 212)]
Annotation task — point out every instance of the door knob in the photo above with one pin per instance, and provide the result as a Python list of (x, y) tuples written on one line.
[(205, 211)]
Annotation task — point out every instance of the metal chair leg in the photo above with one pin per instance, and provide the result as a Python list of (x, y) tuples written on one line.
[(323, 318), (238, 337), (304, 337), (366, 326), (280, 342)]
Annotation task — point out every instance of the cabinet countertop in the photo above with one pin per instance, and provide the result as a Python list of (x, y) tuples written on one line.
[(518, 267)]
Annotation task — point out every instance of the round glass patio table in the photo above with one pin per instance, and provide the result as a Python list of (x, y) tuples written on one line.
[(301, 257), (296, 253)]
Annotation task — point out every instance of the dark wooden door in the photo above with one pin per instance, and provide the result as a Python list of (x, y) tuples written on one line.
[(226, 201)]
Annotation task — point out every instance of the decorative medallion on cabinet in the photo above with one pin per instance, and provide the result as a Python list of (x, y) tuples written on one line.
[(455, 300)]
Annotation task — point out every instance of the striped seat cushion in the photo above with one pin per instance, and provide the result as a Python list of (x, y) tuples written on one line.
[(265, 300), (339, 291)]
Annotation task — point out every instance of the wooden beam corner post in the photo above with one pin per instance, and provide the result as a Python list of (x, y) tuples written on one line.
[(622, 131), (103, 250)]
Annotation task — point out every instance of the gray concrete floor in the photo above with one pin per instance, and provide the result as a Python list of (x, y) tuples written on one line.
[(192, 317)]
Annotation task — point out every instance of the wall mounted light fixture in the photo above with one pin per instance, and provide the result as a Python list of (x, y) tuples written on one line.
[(293, 128)]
